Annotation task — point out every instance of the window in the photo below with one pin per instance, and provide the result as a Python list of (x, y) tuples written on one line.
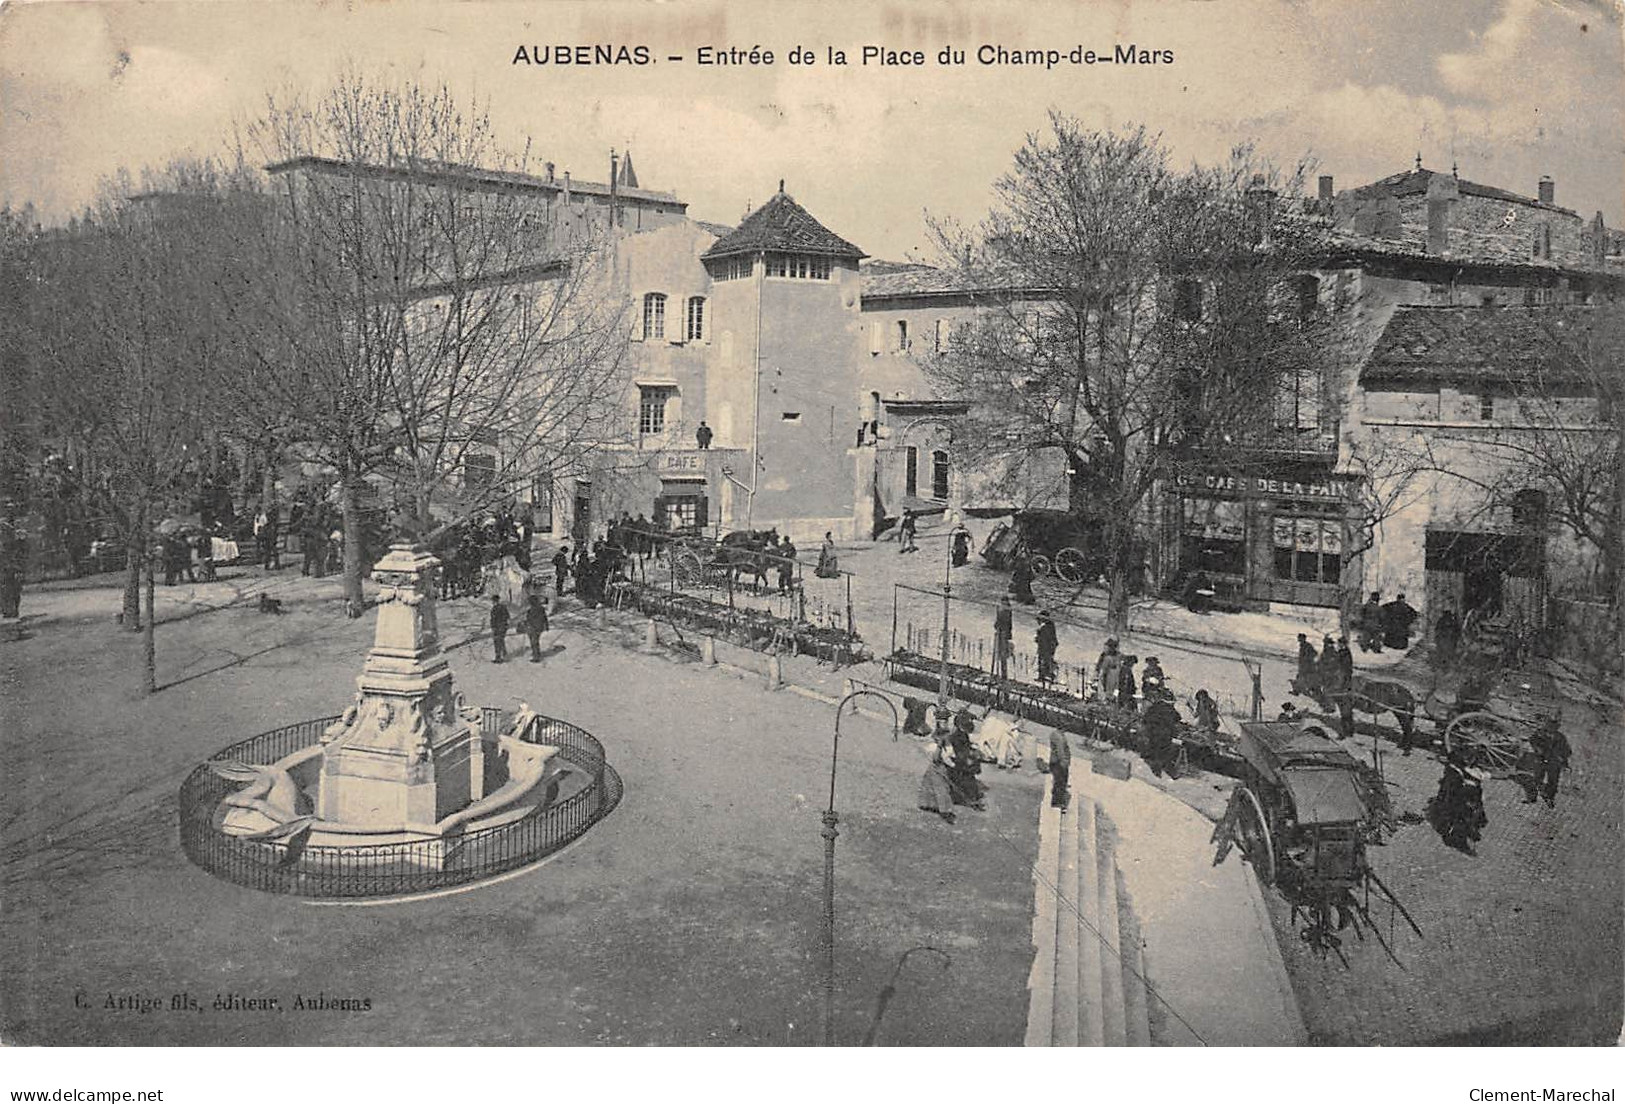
[(1308, 549), (876, 336), (1298, 401), (797, 266), (939, 475), (944, 334), (1215, 536), (790, 416), (900, 336), (1308, 296), (694, 320), (1486, 408), (732, 268), (652, 408), (654, 316), (911, 471)]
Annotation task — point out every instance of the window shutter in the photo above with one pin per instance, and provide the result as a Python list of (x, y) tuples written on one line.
[(701, 518), (876, 336)]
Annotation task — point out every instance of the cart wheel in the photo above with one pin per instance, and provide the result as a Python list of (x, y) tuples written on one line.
[(1069, 565), (1041, 566), (688, 569), (1485, 741), (1253, 836)]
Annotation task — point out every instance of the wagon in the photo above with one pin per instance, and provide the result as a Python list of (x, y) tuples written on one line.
[(1488, 717), (1055, 541), (1300, 819)]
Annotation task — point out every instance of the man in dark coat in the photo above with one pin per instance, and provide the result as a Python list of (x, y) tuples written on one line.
[(1368, 623), (536, 625), (1125, 682), (1046, 640), (1308, 668), (1397, 619), (1060, 768), (961, 546), (1548, 758), (905, 533), (1003, 637), (561, 569), (1161, 724), (1021, 580), (787, 565), (499, 628), (702, 435)]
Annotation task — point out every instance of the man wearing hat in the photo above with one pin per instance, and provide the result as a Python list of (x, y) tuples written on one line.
[(1046, 641), (1548, 757), (1306, 681), (1003, 637)]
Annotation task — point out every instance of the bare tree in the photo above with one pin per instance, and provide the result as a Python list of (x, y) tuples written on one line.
[(19, 405), (431, 321), (1134, 317), (130, 353)]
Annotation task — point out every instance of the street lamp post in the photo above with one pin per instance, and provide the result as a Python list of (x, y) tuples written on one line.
[(829, 833), (947, 589)]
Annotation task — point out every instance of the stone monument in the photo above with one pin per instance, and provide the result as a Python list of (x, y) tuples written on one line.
[(406, 754)]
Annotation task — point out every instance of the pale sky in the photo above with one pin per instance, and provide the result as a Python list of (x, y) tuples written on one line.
[(1508, 89)]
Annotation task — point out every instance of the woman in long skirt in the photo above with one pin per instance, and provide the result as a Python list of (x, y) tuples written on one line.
[(935, 797)]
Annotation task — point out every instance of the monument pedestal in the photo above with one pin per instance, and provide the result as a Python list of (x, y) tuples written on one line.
[(406, 754)]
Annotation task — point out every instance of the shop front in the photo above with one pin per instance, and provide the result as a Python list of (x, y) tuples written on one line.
[(1267, 537)]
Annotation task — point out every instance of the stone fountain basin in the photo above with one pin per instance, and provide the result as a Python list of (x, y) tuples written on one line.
[(521, 778)]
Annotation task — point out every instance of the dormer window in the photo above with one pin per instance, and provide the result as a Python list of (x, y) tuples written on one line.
[(797, 266)]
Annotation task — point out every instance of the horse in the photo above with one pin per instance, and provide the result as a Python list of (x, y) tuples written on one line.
[(1375, 697), (748, 552)]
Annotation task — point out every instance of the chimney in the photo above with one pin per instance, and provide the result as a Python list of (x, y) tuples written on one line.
[(1325, 189), (1443, 191), (1548, 191), (550, 172), (1261, 207)]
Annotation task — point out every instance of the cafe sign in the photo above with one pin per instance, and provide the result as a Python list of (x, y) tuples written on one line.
[(683, 460), (1331, 489)]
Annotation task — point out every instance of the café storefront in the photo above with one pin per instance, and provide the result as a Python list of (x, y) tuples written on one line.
[(1265, 536)]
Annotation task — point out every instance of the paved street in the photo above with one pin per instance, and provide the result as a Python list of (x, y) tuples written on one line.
[(690, 915)]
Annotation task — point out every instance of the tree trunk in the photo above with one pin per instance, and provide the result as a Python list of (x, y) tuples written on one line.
[(1118, 571), (136, 555), (149, 643), (350, 507)]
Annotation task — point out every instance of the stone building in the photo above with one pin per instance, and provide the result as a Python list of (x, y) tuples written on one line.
[(805, 362)]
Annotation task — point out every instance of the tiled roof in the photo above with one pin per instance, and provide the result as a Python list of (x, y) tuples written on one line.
[(781, 225), (1444, 344), (453, 175), (1416, 181)]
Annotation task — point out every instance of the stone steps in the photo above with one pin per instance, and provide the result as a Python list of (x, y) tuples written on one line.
[(1086, 985)]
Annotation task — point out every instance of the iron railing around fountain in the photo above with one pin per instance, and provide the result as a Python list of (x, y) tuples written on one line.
[(393, 869)]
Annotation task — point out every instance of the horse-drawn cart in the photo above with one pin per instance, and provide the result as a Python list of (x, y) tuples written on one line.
[(1489, 719), (1054, 541), (698, 561), (1300, 819), (1484, 712)]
